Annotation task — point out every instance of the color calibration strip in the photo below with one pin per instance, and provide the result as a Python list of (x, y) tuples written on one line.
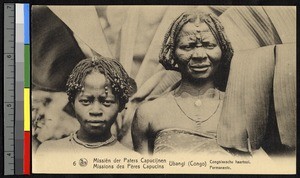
[(27, 109), (22, 90)]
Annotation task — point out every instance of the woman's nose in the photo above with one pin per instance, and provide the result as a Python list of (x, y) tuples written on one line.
[(199, 53)]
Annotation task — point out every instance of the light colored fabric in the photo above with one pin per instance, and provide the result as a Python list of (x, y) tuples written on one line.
[(128, 37), (285, 93), (284, 20), (249, 27), (83, 21), (260, 80), (246, 104)]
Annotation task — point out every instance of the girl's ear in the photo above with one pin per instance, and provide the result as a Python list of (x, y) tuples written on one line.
[(120, 108), (69, 108)]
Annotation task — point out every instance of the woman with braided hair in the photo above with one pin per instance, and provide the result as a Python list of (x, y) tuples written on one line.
[(98, 89), (185, 119)]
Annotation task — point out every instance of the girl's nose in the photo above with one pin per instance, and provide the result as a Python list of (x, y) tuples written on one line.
[(96, 109)]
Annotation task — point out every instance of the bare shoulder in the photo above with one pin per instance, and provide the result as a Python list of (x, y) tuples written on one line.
[(152, 109)]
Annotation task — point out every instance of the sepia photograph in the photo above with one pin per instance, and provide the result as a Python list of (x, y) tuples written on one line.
[(163, 89)]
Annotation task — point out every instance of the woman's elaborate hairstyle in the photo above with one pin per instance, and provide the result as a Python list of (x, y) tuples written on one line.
[(122, 85), (167, 54)]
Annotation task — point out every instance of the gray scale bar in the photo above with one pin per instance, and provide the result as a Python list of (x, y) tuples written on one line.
[(19, 98)]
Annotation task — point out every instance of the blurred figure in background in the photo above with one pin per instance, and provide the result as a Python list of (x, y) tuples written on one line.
[(49, 120)]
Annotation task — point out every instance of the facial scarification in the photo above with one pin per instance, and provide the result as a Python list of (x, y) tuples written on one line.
[(175, 34), (197, 52)]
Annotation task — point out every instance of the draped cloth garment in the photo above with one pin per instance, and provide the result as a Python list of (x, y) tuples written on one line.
[(259, 106), (175, 140)]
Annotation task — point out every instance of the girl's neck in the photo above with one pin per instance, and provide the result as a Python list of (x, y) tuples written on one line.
[(92, 138), (194, 88)]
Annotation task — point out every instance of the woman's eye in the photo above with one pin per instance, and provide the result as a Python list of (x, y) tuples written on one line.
[(186, 47), (210, 45), (85, 102)]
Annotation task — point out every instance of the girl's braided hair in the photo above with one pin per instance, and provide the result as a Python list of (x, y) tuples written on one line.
[(122, 85), (167, 54)]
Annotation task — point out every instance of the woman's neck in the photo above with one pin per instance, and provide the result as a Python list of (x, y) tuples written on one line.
[(92, 138), (194, 88)]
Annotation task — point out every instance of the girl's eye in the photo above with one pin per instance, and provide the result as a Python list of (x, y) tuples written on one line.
[(107, 103), (85, 102), (188, 48)]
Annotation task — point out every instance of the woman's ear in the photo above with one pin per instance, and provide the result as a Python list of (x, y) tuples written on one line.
[(69, 109)]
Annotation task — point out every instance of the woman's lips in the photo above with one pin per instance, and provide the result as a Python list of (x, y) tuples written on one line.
[(199, 68)]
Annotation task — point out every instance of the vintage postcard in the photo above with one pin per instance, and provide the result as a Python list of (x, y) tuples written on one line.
[(163, 89)]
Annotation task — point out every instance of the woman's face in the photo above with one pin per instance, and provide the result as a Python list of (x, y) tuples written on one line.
[(96, 110), (197, 52)]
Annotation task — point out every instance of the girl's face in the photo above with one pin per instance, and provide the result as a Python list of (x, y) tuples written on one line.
[(96, 110), (197, 51)]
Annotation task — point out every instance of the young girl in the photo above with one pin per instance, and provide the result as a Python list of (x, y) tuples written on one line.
[(98, 89)]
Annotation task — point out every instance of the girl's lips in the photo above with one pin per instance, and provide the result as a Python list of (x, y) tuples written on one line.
[(96, 123)]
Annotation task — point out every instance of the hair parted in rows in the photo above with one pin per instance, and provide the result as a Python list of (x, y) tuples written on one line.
[(122, 85), (167, 54)]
